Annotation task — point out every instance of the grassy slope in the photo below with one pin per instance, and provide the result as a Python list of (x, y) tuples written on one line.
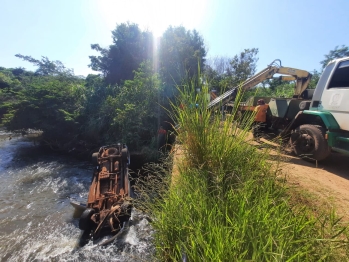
[(227, 203)]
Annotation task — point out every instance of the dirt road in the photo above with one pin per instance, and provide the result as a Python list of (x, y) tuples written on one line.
[(327, 184), (329, 181)]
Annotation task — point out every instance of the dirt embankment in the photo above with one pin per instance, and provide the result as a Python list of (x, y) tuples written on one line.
[(328, 183)]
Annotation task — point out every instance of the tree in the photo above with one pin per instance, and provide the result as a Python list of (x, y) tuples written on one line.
[(137, 107), (243, 66), (93, 81), (215, 72), (47, 67), (314, 80), (18, 71), (50, 100), (130, 48), (8, 82), (5, 81), (220, 64), (129, 113), (182, 52), (224, 72), (337, 52), (48, 104), (211, 77)]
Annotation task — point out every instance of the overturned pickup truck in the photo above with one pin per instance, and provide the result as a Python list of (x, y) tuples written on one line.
[(109, 199)]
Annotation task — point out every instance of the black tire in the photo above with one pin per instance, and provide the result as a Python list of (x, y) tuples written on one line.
[(95, 159), (85, 222), (308, 142)]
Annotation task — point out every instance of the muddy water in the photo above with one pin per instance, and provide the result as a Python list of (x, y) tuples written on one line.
[(36, 218)]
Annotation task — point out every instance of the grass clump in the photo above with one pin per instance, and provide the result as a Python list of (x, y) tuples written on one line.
[(227, 203)]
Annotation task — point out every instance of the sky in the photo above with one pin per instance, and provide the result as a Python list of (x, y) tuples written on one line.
[(299, 32)]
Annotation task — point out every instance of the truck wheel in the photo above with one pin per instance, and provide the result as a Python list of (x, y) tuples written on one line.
[(308, 141), (85, 222)]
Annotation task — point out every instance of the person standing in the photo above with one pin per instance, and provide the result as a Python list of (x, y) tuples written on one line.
[(260, 118)]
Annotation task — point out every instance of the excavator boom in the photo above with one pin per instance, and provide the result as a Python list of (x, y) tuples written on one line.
[(302, 78)]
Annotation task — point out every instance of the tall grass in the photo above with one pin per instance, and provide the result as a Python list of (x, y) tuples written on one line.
[(227, 203)]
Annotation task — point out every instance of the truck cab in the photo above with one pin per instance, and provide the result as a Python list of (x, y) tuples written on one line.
[(332, 92), (329, 108)]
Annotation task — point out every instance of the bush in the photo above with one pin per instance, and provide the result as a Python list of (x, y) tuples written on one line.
[(50, 104)]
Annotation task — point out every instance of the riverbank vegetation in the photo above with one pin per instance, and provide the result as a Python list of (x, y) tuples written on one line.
[(126, 102), (227, 199), (129, 97)]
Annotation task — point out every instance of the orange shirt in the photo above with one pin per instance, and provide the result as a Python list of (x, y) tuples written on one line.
[(261, 115), (162, 131)]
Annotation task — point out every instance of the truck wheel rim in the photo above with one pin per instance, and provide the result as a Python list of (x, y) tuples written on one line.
[(306, 143)]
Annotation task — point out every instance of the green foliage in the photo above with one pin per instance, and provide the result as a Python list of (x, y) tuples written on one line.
[(314, 80), (126, 102), (97, 114), (337, 52), (5, 81), (285, 90), (48, 104), (222, 72), (58, 103), (243, 66), (277, 88), (215, 73), (94, 81), (129, 113), (130, 48), (11, 82), (213, 78), (8, 80), (48, 67), (181, 51), (70, 110), (138, 107)]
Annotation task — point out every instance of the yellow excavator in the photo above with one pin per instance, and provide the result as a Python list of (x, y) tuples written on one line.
[(301, 77)]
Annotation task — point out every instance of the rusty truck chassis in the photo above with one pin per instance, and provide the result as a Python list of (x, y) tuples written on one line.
[(109, 202)]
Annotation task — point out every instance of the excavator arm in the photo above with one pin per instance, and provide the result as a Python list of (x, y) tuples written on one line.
[(302, 78)]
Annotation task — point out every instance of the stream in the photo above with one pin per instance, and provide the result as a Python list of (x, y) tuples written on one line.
[(36, 219)]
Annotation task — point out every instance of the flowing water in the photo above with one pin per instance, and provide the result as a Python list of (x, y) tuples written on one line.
[(36, 218)]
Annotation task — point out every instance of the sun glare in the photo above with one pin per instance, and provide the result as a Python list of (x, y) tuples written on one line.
[(154, 15)]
